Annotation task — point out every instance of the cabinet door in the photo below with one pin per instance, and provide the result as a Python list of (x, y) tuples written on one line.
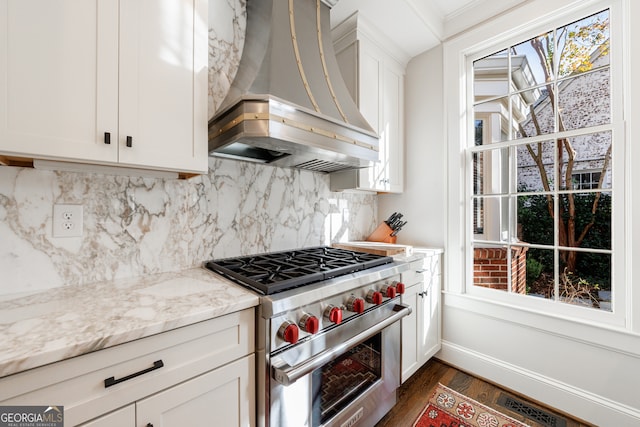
[(369, 103), (380, 98), (58, 78), (124, 417), (410, 354), (222, 397), (430, 335), (421, 333), (163, 84), (391, 169)]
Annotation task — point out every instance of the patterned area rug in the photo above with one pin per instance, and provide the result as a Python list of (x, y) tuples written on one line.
[(447, 407)]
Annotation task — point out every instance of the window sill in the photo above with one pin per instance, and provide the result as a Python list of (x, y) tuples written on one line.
[(610, 336)]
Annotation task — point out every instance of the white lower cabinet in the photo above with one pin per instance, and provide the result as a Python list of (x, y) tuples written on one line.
[(222, 397), (123, 417), (409, 361), (202, 374), (219, 398), (421, 330)]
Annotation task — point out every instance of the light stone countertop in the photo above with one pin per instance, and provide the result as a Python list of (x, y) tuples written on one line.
[(64, 322), (418, 253)]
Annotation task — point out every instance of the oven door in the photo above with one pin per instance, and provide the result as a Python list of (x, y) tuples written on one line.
[(346, 376)]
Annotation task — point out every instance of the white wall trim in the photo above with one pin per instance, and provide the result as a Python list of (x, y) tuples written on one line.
[(609, 338), (581, 403), (475, 13), (357, 26)]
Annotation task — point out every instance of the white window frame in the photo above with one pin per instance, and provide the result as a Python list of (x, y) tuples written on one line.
[(459, 53)]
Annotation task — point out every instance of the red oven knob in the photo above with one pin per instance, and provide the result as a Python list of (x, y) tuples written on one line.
[(289, 332), (309, 323), (400, 288), (334, 314), (388, 291), (374, 297), (355, 304)]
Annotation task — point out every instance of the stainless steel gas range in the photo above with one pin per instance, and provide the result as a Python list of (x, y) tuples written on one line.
[(328, 341)]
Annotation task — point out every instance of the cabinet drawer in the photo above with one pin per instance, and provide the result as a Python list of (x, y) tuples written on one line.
[(410, 278), (414, 275), (79, 385)]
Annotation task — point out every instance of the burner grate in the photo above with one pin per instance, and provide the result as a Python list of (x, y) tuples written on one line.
[(278, 271)]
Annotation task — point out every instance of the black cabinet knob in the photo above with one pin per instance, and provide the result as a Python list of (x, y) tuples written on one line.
[(129, 141), (107, 137), (149, 425)]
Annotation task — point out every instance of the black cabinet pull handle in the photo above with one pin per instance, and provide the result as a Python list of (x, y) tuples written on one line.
[(107, 137), (149, 425), (129, 141), (112, 381)]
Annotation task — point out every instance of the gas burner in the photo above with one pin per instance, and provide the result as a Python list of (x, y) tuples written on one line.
[(278, 271)]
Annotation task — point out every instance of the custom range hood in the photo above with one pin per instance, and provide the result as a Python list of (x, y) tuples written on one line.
[(288, 105)]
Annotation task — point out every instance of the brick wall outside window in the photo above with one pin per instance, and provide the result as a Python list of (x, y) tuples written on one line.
[(490, 269)]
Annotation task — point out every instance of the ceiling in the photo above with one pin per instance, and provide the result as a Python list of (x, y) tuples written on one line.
[(416, 26)]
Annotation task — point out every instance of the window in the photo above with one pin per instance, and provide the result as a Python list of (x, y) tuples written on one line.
[(586, 180), (542, 187)]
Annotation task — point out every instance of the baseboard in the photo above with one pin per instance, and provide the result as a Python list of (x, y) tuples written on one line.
[(564, 397)]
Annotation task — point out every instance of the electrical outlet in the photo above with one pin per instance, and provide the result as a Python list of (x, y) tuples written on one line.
[(67, 220)]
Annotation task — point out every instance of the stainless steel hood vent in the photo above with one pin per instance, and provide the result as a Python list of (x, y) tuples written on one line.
[(288, 105)]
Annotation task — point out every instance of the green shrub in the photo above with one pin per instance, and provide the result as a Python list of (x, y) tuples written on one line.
[(536, 226), (534, 269)]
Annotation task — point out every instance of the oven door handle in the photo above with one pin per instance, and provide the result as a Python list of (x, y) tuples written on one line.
[(287, 375)]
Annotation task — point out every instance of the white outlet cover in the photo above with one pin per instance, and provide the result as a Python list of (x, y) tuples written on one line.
[(67, 221)]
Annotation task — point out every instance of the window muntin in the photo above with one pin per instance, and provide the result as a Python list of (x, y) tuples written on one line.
[(478, 183), (551, 118)]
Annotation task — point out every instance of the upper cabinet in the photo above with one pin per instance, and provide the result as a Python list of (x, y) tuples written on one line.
[(103, 82), (375, 80)]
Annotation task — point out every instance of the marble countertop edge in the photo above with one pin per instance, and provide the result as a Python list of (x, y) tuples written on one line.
[(121, 311), (27, 362)]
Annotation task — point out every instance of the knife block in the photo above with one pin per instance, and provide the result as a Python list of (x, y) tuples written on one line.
[(382, 234)]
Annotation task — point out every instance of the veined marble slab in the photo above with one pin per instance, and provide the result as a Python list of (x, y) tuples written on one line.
[(56, 324)]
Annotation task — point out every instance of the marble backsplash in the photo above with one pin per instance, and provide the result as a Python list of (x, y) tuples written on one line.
[(135, 226)]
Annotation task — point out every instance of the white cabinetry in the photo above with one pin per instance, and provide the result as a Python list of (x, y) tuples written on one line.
[(123, 417), (375, 80), (220, 397), (202, 374), (104, 82), (421, 330)]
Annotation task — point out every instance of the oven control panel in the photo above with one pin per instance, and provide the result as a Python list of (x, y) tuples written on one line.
[(306, 322)]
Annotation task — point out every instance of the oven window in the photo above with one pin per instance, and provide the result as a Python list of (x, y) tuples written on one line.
[(340, 382)]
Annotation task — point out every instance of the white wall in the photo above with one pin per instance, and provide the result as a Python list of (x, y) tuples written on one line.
[(584, 368), (422, 200)]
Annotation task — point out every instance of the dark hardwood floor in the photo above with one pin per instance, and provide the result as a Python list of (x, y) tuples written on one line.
[(414, 394)]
